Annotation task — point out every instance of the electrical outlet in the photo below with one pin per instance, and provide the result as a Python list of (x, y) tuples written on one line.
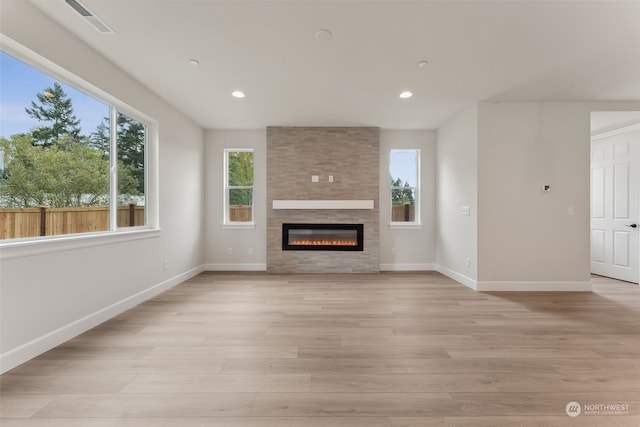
[(165, 264), (229, 251), (393, 251), (468, 262), (250, 251)]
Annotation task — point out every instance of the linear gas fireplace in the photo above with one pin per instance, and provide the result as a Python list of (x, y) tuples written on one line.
[(322, 237)]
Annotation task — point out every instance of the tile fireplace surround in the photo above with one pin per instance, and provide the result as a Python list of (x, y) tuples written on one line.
[(351, 157)]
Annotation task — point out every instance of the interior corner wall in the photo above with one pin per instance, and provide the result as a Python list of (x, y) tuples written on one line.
[(229, 248), (56, 291), (527, 239), (457, 183), (414, 246)]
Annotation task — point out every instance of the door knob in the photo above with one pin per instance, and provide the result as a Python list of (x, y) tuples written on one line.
[(632, 225)]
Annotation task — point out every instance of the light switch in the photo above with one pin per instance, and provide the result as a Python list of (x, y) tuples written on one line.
[(571, 211), (315, 178), (465, 210), (330, 178)]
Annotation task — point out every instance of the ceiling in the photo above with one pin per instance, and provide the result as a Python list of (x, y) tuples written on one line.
[(476, 51)]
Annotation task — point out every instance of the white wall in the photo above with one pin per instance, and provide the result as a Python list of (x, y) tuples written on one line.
[(457, 175), (526, 238), (219, 239), (53, 291), (414, 246)]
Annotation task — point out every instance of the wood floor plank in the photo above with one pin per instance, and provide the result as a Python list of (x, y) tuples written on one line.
[(300, 366), (280, 383), (414, 383), (408, 340), (355, 404), (118, 367), (510, 352), (223, 352), (576, 382), (23, 405), (63, 384), (148, 405), (360, 352), (280, 422), (84, 422), (462, 366)]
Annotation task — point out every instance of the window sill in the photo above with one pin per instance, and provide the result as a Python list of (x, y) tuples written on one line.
[(403, 226), (248, 226), (38, 246)]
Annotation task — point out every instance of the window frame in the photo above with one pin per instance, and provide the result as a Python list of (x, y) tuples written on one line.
[(226, 222), (416, 223), (27, 246)]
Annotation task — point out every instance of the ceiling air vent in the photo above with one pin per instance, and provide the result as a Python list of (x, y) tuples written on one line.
[(90, 17)]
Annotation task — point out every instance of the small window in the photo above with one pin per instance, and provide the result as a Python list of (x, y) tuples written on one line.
[(238, 186), (404, 168)]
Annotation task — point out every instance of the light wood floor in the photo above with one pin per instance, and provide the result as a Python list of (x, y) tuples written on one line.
[(379, 350)]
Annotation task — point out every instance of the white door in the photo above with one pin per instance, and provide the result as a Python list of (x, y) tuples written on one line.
[(615, 190)]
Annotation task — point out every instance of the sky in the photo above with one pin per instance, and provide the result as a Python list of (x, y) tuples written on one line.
[(19, 84), (403, 165)]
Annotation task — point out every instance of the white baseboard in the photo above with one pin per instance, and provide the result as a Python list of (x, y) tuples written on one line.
[(235, 267), (465, 280), (28, 351), (408, 267), (515, 286), (508, 286)]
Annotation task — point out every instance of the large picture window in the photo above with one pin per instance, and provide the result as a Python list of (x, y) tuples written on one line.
[(69, 163), (238, 183), (404, 169)]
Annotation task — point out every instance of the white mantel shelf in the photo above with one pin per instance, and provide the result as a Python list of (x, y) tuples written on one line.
[(323, 204)]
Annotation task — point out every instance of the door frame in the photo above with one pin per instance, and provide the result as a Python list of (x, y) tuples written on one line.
[(623, 127)]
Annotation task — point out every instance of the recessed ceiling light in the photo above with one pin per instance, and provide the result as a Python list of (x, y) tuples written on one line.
[(406, 94), (194, 62), (323, 35), (423, 64), (237, 94)]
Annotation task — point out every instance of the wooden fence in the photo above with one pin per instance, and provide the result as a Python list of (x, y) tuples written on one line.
[(240, 213), (403, 213), (45, 221)]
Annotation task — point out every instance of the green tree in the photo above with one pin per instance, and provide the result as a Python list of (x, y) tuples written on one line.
[(55, 109), (131, 147), (35, 175), (240, 170), (401, 193)]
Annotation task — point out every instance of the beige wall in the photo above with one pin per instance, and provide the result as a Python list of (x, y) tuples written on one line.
[(235, 248), (457, 186), (408, 248)]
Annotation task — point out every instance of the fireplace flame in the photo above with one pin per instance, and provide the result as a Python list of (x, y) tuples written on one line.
[(323, 243)]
